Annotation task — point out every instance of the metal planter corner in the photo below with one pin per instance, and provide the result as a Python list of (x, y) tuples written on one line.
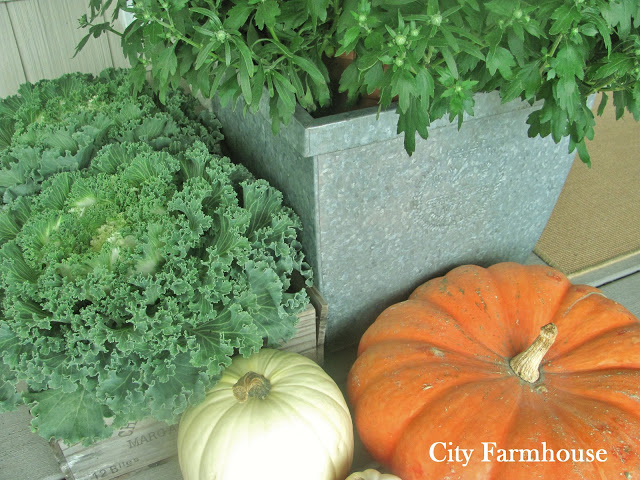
[(378, 222)]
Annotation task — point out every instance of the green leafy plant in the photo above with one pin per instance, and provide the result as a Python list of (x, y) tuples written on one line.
[(134, 259), (429, 56)]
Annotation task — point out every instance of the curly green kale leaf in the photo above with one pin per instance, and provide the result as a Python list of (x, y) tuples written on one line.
[(130, 283), (9, 397), (59, 125)]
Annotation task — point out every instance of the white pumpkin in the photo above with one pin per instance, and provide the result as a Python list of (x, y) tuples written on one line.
[(371, 474), (274, 415)]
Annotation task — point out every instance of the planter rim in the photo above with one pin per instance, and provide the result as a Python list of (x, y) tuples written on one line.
[(310, 136)]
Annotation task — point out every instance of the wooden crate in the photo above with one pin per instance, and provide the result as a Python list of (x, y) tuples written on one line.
[(309, 341), (148, 442), (133, 447)]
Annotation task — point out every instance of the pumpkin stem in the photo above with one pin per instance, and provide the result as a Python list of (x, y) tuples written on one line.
[(251, 384), (527, 364)]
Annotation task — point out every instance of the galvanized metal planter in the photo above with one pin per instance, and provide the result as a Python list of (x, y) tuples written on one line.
[(378, 222)]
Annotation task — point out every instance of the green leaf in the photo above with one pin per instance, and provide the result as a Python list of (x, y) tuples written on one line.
[(583, 152), (501, 7), (237, 16), (9, 227), (618, 64), (95, 30), (294, 75), (450, 39), (204, 31), (7, 129), (535, 28), (227, 54), (263, 302), (266, 14), (246, 56), (424, 83), (415, 119), (619, 13), (517, 48), (565, 16), (166, 63), (215, 338), (262, 202), (569, 62), (81, 44), (9, 396), (203, 80), (559, 123), (501, 59), (349, 79), (603, 103), (286, 95), (348, 40), (589, 30), (16, 268), (10, 345), (373, 77), (73, 416), (602, 27), (215, 19), (568, 95), (366, 61), (245, 72), (122, 391), (403, 84), (257, 87), (317, 9), (61, 140), (310, 68), (450, 61), (409, 141), (168, 399), (203, 55), (527, 80)]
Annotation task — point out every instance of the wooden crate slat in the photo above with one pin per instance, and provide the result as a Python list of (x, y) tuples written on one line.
[(322, 312), (131, 448), (168, 469), (305, 338)]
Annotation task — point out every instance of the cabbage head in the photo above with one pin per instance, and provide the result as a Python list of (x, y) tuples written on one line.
[(127, 284)]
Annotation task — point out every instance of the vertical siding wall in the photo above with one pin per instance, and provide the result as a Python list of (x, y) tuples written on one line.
[(38, 39)]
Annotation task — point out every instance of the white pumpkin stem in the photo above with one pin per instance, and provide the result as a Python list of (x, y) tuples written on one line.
[(527, 364), (251, 384)]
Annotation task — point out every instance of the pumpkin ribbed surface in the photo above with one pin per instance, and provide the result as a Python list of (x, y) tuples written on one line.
[(433, 375), (273, 415)]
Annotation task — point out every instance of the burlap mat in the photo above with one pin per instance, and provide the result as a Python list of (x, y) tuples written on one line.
[(596, 220)]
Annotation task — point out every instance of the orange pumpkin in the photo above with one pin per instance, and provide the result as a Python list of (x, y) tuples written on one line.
[(446, 384)]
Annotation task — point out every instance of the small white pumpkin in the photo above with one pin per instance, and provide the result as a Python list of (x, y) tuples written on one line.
[(371, 474), (274, 415)]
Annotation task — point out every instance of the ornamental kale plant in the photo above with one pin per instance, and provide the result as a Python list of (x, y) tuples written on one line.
[(134, 260), (430, 57), (59, 125)]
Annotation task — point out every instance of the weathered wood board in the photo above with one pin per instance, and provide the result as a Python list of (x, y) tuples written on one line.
[(39, 40), (133, 447)]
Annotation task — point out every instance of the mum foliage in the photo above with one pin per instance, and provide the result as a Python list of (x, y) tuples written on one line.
[(427, 58), (134, 259)]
